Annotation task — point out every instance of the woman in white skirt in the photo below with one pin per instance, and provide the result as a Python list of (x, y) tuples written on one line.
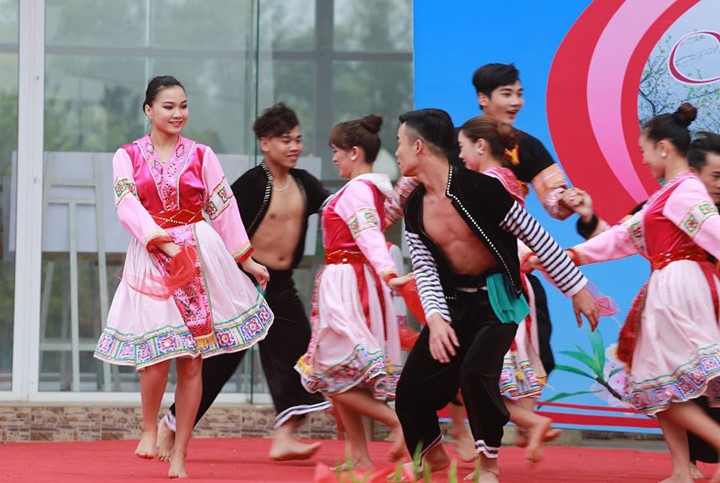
[(671, 339), (354, 352), (182, 295)]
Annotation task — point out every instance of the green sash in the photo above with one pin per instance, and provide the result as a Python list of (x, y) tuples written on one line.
[(506, 305)]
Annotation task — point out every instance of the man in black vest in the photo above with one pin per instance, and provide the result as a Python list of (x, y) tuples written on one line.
[(462, 229)]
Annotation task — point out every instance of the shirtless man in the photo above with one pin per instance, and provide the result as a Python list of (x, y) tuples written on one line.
[(275, 200), (462, 229)]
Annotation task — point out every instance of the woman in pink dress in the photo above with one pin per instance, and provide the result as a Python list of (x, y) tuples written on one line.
[(182, 295), (354, 353), (671, 340), (483, 143)]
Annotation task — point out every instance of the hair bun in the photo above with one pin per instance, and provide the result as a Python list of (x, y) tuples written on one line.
[(372, 123), (685, 114), (508, 136)]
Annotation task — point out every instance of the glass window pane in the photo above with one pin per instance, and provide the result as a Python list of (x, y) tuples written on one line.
[(93, 103), (373, 25), (292, 82), (8, 181), (9, 23), (191, 24), (94, 91), (288, 24), (96, 24), (235, 57), (383, 88), (174, 24), (219, 99)]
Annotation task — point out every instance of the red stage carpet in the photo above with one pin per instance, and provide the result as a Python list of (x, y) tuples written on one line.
[(219, 460)]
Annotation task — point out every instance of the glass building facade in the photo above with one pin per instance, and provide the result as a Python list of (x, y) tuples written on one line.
[(72, 83)]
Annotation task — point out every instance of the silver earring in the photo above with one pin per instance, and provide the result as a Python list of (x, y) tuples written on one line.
[(663, 154), (481, 151), (353, 158)]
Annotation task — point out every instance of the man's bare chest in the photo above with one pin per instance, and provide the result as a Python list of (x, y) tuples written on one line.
[(285, 206), (443, 223)]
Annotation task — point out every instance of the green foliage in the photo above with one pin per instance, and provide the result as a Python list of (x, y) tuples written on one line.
[(594, 360)]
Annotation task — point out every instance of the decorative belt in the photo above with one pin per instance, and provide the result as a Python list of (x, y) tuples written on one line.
[(344, 256), (171, 218), (357, 260), (695, 254)]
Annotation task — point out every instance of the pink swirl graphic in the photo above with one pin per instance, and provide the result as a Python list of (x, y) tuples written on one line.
[(605, 85), (593, 94)]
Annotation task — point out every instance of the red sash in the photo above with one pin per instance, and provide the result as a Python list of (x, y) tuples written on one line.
[(358, 261), (171, 218)]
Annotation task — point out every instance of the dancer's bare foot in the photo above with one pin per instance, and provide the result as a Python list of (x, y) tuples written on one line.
[(486, 476), (695, 472), (463, 443), (552, 434), (361, 465), (146, 446), (292, 449), (177, 465), (535, 438), (165, 441), (397, 450), (437, 459), (358, 464), (486, 470), (521, 439), (403, 473), (679, 478), (406, 474)]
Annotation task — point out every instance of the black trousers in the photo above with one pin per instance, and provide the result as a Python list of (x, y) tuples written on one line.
[(544, 326), (427, 385), (286, 341), (700, 450)]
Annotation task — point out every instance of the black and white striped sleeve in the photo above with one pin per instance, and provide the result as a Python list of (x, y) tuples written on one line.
[(558, 265), (427, 278)]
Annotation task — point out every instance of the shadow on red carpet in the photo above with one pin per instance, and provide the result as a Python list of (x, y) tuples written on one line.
[(245, 459)]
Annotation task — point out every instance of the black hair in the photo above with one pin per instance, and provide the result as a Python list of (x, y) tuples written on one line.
[(157, 84), (275, 121), (705, 142), (489, 77), (434, 126), (362, 133), (673, 127)]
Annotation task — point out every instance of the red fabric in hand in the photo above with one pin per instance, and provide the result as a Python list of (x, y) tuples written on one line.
[(409, 292), (182, 268)]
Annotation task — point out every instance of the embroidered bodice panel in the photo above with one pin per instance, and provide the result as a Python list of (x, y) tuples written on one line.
[(171, 185)]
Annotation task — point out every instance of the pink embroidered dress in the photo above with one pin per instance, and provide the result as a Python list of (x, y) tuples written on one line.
[(355, 341), (219, 310), (676, 354), (523, 374)]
